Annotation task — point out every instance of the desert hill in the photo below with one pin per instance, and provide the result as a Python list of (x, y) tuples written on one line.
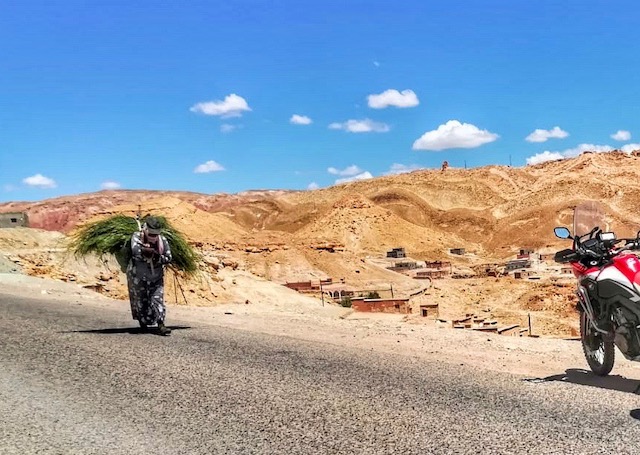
[(343, 231), (493, 210)]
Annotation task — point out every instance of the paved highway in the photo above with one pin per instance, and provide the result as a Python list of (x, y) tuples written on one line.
[(74, 379)]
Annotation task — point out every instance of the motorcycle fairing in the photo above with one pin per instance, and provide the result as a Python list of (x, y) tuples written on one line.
[(614, 274)]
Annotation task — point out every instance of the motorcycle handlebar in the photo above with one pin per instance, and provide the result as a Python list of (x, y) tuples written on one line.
[(580, 251)]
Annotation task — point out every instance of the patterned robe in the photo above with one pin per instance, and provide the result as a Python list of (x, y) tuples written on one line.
[(145, 278)]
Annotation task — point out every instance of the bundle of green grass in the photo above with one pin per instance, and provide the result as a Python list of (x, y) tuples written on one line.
[(112, 236)]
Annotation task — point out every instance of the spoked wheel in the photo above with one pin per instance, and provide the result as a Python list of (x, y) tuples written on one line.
[(600, 354)]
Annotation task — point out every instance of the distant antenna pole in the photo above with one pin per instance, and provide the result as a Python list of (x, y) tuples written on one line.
[(509, 160), (465, 164)]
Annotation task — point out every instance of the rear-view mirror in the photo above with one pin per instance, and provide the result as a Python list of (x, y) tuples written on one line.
[(562, 233)]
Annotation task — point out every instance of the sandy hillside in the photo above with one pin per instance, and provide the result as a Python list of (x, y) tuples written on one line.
[(343, 232)]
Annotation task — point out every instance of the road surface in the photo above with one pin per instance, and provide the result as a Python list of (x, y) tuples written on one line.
[(76, 379)]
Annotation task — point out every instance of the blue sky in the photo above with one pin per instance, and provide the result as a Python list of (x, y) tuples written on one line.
[(227, 96)]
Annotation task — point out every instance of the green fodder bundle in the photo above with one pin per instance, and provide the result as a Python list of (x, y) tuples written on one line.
[(112, 236)]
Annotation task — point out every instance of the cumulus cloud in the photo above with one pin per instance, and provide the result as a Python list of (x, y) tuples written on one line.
[(392, 97), (40, 181), (454, 134), (300, 120), (232, 106), (346, 172), (362, 176), (313, 186), (630, 148), (621, 135), (397, 168), (361, 126), (575, 151), (544, 156), (110, 185), (544, 135), (209, 166)]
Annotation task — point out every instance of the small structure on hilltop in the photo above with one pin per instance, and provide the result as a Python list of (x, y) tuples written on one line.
[(517, 264), (393, 305), (404, 266), (429, 310), (309, 286), (397, 253), (430, 274), (526, 254), (548, 257), (438, 265), (338, 291), (457, 251), (14, 219)]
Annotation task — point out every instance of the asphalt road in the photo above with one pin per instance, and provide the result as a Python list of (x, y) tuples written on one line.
[(75, 380)]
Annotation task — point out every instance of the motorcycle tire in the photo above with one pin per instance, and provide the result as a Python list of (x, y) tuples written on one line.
[(600, 354)]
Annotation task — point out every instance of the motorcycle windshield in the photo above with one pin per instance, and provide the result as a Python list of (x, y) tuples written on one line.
[(586, 216)]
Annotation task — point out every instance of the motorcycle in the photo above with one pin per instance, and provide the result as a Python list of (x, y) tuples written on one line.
[(608, 288)]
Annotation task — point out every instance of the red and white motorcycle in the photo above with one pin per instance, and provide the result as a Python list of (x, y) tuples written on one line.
[(608, 288)]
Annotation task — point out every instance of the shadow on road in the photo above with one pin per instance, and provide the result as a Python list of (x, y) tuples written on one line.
[(585, 377), (131, 330)]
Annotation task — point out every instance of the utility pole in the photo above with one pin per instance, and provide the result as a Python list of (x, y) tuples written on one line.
[(321, 292)]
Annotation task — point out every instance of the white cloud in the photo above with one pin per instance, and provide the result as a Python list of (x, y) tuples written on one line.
[(544, 156), (573, 152), (300, 120), (397, 168), (361, 126), (630, 148), (376, 63), (362, 176), (392, 97), (454, 134), (544, 135), (621, 135), (346, 172), (209, 166), (569, 153), (232, 106), (9, 187), (313, 186), (110, 185), (40, 181), (228, 128)]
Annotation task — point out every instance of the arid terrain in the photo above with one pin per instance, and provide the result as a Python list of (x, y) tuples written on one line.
[(254, 242)]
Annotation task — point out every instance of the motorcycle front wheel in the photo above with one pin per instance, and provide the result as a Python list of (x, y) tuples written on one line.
[(600, 354)]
